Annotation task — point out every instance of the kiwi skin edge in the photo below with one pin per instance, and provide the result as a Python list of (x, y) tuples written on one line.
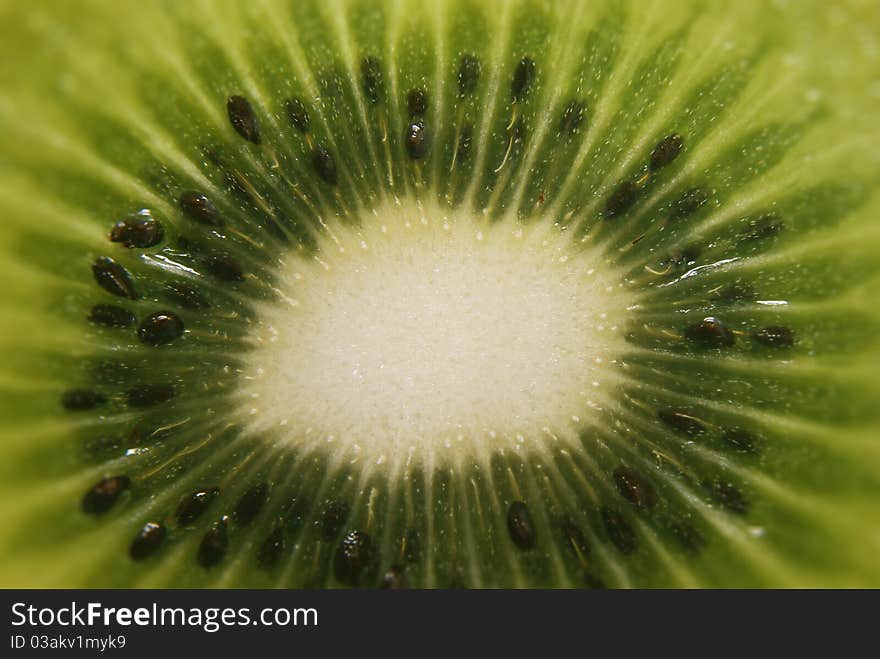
[(170, 179)]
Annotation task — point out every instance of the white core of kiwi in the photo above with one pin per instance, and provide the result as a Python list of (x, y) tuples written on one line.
[(427, 333)]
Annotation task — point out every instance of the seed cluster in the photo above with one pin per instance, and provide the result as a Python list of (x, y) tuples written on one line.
[(634, 491)]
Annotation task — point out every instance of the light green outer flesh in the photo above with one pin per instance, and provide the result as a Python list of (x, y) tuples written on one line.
[(819, 488)]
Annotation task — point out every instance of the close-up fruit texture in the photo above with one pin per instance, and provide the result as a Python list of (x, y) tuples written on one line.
[(465, 294)]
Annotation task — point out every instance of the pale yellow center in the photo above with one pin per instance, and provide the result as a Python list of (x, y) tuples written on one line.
[(424, 334)]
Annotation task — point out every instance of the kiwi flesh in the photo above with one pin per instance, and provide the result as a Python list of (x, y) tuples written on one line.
[(463, 295)]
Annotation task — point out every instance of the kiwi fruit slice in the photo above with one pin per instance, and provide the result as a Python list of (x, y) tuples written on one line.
[(468, 294)]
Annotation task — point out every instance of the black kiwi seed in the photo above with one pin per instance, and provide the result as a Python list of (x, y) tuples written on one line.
[(574, 539), (324, 164), (243, 119), (298, 114), (101, 497), (710, 333), (333, 518), (741, 440), (520, 526), (352, 556), (468, 74), (619, 531), (681, 421), (634, 487), (371, 77), (523, 77), (186, 296), (271, 549), (141, 230), (79, 400), (417, 102), (728, 495), (666, 151), (223, 267), (775, 336), (572, 117), (250, 504), (113, 278), (110, 315), (416, 140), (393, 579), (621, 199), (213, 547), (159, 328), (192, 506), (147, 541), (689, 203), (199, 208), (145, 395)]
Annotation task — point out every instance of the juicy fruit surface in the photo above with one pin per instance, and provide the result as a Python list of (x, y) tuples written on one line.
[(162, 162)]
